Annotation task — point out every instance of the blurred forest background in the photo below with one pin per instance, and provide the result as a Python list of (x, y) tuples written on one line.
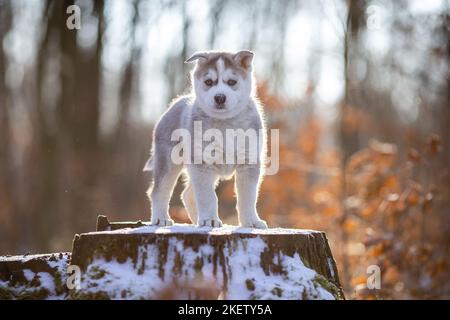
[(360, 91)]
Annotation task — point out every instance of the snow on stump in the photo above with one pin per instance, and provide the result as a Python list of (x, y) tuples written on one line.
[(187, 262)]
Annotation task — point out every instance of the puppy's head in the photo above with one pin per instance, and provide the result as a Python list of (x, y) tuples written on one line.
[(222, 81)]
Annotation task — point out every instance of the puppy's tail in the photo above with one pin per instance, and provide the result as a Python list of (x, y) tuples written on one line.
[(149, 165)]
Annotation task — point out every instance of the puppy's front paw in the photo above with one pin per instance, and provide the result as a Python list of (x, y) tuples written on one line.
[(162, 222), (256, 223), (215, 223)]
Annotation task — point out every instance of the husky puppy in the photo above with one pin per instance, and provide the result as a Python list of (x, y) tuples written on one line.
[(222, 98)]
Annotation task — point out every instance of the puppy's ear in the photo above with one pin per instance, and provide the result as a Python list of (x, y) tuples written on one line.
[(197, 56), (244, 58)]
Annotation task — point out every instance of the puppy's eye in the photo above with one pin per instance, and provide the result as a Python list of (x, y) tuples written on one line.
[(209, 82), (231, 82)]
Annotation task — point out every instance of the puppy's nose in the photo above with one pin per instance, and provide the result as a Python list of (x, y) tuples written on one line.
[(220, 98)]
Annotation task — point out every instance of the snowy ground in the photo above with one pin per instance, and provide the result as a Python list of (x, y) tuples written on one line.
[(41, 276)]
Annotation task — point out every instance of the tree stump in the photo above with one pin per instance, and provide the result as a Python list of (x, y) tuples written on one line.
[(187, 262), (132, 260)]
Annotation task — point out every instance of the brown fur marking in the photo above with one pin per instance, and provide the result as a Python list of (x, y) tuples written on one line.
[(211, 62)]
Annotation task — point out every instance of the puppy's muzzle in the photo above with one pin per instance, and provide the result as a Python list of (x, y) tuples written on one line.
[(220, 101)]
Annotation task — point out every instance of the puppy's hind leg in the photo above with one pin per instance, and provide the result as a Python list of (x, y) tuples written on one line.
[(165, 176), (188, 198)]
